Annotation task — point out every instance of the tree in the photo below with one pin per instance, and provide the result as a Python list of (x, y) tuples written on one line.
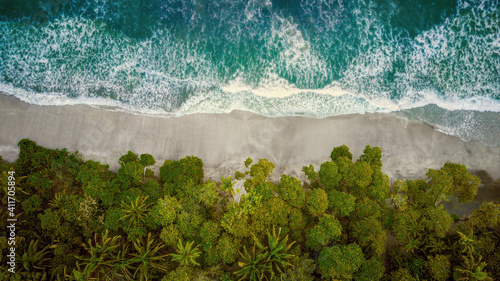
[(436, 221), (135, 212), (369, 234), (130, 174), (487, 215), (208, 194), (379, 187), (371, 270), (329, 175), (189, 224), (101, 263), (340, 262), (259, 173), (174, 174), (290, 189), (327, 230), (406, 225), (227, 249), (340, 203), (35, 260), (166, 210), (366, 208), (373, 156), (147, 256), (273, 258), (302, 270), (341, 151), (253, 266), (130, 157), (316, 202), (465, 185), (310, 173), (297, 223), (441, 185), (438, 268), (185, 254), (170, 235), (402, 274), (358, 178), (209, 233), (147, 160), (278, 256)]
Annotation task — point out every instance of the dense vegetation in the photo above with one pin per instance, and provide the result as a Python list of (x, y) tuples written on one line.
[(77, 220)]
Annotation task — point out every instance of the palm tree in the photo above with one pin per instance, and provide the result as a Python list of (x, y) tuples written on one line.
[(135, 213), (147, 256), (435, 245), (100, 264), (121, 268), (253, 266), (278, 252), (472, 270), (227, 185), (186, 255), (271, 259)]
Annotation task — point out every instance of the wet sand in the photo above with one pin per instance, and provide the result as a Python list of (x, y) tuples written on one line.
[(224, 141)]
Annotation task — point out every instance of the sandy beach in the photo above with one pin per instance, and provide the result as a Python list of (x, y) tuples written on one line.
[(224, 141)]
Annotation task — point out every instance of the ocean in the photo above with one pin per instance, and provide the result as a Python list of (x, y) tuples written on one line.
[(436, 62)]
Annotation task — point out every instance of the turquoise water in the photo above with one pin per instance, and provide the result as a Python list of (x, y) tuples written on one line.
[(313, 58)]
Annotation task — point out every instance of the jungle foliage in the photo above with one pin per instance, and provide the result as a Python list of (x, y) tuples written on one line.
[(77, 220)]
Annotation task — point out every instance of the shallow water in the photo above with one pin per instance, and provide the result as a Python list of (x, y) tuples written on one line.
[(313, 58)]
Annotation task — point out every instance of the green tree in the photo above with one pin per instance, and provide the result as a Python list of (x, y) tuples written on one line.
[(316, 202), (358, 179), (209, 194), (438, 268), (100, 262), (166, 210), (258, 174), (465, 185), (297, 223), (34, 259), (436, 221), (290, 189), (341, 151), (147, 160), (329, 175), (402, 274), (379, 187), (310, 173), (185, 254), (373, 156), (407, 225), (170, 235), (487, 215), (340, 203), (327, 230), (147, 257), (209, 233), (371, 270), (302, 270), (134, 215), (175, 173), (227, 249), (253, 266), (370, 235), (130, 157), (340, 262)]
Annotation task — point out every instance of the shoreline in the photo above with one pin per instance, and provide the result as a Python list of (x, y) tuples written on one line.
[(224, 141)]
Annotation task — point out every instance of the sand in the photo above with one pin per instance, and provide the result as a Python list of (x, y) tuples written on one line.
[(224, 141)]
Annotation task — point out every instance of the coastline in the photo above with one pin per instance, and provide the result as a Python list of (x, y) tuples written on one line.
[(224, 141)]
